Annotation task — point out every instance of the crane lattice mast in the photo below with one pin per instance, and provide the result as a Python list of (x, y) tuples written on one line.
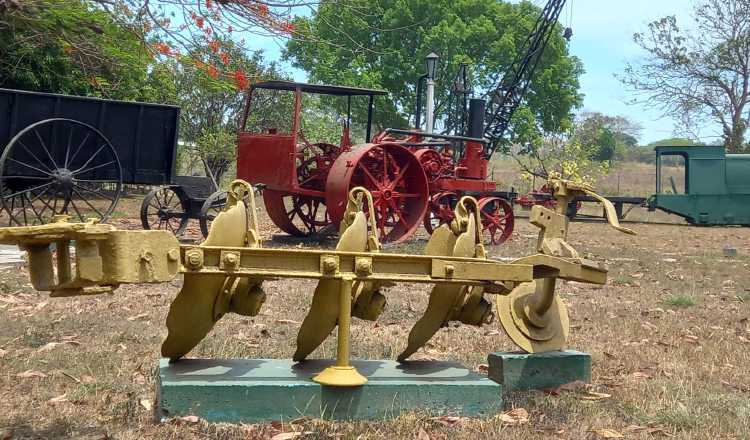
[(507, 96)]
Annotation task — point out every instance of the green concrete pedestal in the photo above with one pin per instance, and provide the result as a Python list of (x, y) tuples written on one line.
[(256, 390), (524, 371)]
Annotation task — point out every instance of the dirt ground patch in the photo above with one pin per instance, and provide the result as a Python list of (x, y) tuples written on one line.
[(669, 335)]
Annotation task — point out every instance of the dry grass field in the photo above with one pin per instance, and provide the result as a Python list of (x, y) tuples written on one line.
[(669, 335)]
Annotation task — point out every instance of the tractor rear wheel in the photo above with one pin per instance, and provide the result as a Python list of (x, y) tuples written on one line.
[(394, 177), (296, 214)]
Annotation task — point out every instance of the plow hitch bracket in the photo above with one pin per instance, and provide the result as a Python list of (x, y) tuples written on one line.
[(227, 272)]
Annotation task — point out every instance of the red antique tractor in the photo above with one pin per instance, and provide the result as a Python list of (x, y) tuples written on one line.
[(414, 178)]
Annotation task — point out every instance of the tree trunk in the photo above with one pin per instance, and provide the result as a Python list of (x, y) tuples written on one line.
[(734, 137)]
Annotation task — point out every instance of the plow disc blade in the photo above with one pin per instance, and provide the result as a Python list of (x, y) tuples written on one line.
[(443, 298), (321, 320), (324, 311), (198, 306), (549, 333)]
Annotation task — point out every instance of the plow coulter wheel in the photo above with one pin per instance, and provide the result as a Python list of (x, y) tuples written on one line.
[(497, 219), (440, 210), (296, 214), (164, 208), (396, 180)]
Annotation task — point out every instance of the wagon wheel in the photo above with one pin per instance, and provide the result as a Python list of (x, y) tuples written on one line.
[(165, 208), (296, 214), (497, 219), (213, 205), (396, 180), (59, 166), (440, 210)]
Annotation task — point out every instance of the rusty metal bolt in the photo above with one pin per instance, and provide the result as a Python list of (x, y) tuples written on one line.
[(449, 270), (363, 266), (330, 264), (231, 260), (194, 259)]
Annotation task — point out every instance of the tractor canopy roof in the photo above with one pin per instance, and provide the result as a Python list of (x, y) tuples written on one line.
[(318, 88)]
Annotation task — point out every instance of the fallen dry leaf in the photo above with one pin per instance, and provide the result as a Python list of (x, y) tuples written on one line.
[(3, 352), (640, 375), (30, 374), (594, 396), (634, 428), (659, 431), (146, 404), (190, 419), (483, 368), (423, 435), (449, 420), (571, 386), (286, 436), (691, 339), (48, 346), (58, 399), (137, 317), (286, 321), (607, 433), (517, 416)]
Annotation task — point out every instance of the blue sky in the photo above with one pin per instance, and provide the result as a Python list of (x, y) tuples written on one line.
[(602, 39)]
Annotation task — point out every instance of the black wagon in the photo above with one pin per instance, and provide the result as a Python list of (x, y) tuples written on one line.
[(71, 155)]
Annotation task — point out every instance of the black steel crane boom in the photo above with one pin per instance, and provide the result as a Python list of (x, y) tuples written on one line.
[(506, 98)]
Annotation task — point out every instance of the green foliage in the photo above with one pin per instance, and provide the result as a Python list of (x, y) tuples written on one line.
[(382, 44), (674, 142), (604, 136), (216, 145), (563, 156), (211, 102), (68, 46), (699, 72)]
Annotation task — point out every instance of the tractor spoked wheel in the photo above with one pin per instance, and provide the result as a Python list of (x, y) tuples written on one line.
[(394, 177), (59, 167), (295, 214), (440, 210), (497, 219), (432, 163), (164, 208), (313, 163), (213, 205)]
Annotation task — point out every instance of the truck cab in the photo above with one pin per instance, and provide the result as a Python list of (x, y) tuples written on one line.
[(703, 184)]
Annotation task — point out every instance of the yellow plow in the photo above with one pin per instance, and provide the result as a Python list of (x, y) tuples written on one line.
[(226, 273)]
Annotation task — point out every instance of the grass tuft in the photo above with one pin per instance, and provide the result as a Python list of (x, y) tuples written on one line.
[(679, 418), (681, 301)]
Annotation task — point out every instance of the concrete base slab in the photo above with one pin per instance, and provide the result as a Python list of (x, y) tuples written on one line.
[(524, 371), (256, 390)]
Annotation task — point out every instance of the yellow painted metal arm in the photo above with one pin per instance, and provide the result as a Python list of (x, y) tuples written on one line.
[(610, 213)]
